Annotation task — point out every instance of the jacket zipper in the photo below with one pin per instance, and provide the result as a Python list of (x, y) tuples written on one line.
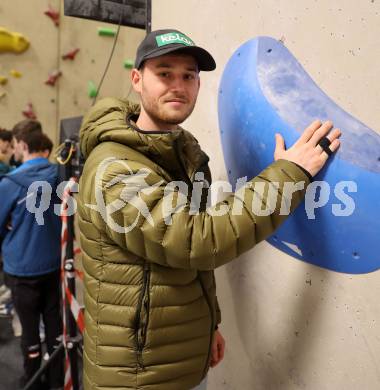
[(189, 179), (186, 176), (181, 164), (212, 324), (141, 325)]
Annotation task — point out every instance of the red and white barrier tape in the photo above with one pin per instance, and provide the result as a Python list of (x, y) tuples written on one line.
[(67, 297)]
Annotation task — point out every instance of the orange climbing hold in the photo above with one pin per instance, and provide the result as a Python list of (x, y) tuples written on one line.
[(53, 77), (29, 112), (53, 15), (70, 55)]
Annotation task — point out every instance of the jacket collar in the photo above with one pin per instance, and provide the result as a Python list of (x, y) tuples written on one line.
[(177, 151)]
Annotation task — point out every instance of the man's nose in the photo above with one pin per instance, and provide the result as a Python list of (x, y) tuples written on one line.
[(178, 84)]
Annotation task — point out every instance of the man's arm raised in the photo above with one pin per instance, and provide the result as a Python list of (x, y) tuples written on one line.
[(173, 236)]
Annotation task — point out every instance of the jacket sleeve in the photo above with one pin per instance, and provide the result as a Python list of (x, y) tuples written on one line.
[(139, 221), (218, 312), (8, 200)]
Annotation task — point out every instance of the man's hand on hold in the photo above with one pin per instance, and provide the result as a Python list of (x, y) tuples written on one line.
[(306, 151)]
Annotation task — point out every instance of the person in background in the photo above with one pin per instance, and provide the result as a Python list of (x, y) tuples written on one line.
[(11, 157), (6, 151), (20, 130), (31, 252)]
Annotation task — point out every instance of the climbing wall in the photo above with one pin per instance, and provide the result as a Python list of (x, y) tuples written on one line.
[(59, 72), (288, 324)]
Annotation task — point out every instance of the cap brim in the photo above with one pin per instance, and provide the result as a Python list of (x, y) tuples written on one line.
[(204, 59)]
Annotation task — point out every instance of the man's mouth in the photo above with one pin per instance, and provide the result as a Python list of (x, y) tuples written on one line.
[(176, 101)]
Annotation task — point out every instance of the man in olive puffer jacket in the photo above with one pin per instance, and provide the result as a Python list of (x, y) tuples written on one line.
[(151, 309)]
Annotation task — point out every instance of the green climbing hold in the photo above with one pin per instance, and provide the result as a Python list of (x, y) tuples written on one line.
[(92, 90), (129, 64), (106, 31)]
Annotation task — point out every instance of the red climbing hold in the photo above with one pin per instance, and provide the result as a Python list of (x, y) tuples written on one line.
[(70, 55), (53, 77), (29, 112), (53, 15)]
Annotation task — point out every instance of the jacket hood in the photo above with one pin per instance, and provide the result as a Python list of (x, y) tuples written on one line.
[(43, 171), (113, 119), (4, 168)]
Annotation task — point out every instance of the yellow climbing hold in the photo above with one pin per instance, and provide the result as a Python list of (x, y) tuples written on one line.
[(3, 80), (15, 73), (12, 42)]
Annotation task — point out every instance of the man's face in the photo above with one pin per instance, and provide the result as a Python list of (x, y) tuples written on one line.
[(168, 86), (6, 150), (18, 149)]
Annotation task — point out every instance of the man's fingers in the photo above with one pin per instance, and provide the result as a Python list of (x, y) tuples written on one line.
[(221, 350), (321, 132), (309, 131), (333, 147), (215, 352), (280, 146), (332, 136), (336, 133)]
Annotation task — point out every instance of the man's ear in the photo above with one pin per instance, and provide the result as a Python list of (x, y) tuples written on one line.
[(136, 80), (24, 146)]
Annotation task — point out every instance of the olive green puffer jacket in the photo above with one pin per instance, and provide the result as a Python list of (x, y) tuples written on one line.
[(150, 303)]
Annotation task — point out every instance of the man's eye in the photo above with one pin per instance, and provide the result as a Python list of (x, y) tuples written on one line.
[(164, 74), (189, 77)]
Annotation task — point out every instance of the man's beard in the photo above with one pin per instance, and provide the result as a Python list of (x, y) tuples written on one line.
[(160, 115), (13, 161)]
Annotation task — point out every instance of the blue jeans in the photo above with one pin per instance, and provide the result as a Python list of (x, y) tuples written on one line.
[(202, 385)]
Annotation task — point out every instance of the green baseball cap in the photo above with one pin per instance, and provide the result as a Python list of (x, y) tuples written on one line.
[(160, 42)]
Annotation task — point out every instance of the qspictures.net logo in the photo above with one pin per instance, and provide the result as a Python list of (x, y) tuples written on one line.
[(132, 189)]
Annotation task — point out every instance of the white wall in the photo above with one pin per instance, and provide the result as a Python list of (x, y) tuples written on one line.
[(290, 325)]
